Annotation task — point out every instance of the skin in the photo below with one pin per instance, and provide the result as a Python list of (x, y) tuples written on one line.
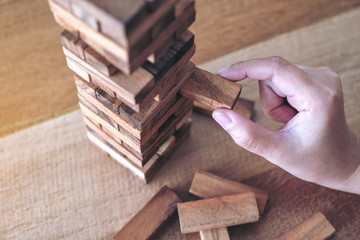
[(315, 143)]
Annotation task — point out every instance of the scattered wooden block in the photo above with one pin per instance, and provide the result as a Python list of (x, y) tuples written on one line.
[(215, 234), (211, 90), (243, 106), (149, 220), (314, 228), (218, 212), (207, 185)]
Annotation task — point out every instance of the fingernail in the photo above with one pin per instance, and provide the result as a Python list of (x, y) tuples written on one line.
[(222, 71), (223, 119)]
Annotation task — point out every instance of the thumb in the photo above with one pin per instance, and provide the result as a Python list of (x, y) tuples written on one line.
[(248, 134)]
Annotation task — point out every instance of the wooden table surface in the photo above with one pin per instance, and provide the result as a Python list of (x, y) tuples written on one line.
[(54, 184)]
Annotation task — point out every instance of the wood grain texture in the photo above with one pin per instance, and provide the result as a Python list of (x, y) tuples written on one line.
[(211, 90), (123, 58), (316, 227), (215, 234), (51, 172), (207, 185), (127, 88), (218, 212), (99, 62), (21, 20), (144, 173), (243, 106), (232, 25), (151, 217)]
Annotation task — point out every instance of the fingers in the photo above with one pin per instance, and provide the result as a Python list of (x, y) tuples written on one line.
[(274, 106), (287, 79), (248, 134)]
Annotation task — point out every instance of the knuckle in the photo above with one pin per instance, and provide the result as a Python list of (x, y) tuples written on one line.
[(278, 62), (247, 141)]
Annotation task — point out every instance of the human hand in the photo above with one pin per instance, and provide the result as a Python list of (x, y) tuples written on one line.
[(314, 143)]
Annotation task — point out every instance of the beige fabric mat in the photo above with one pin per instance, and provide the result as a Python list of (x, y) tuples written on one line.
[(55, 185)]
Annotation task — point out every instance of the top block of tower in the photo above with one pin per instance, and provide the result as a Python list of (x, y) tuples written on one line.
[(126, 34)]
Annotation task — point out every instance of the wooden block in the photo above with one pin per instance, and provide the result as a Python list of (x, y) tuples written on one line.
[(115, 143), (180, 47), (243, 106), (161, 51), (149, 144), (128, 120), (98, 82), (99, 62), (88, 87), (316, 227), (108, 101), (167, 146), (147, 119), (207, 185), (218, 212), (215, 234), (68, 40), (76, 68), (162, 23), (128, 87), (147, 172), (149, 220), (211, 90), (119, 56), (181, 6)]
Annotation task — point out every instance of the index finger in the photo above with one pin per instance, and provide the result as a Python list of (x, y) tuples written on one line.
[(286, 77)]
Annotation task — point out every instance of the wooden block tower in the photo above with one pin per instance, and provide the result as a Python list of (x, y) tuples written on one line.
[(135, 82)]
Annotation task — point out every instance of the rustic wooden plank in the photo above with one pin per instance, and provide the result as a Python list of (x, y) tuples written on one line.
[(218, 212), (243, 106), (108, 101), (99, 62), (316, 227), (215, 234), (151, 217), (211, 90), (207, 185)]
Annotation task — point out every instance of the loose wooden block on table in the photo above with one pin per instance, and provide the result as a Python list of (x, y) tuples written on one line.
[(314, 228), (215, 234), (207, 185), (218, 212), (149, 220), (243, 106), (211, 90)]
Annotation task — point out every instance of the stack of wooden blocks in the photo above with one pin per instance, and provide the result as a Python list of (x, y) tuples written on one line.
[(132, 71)]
